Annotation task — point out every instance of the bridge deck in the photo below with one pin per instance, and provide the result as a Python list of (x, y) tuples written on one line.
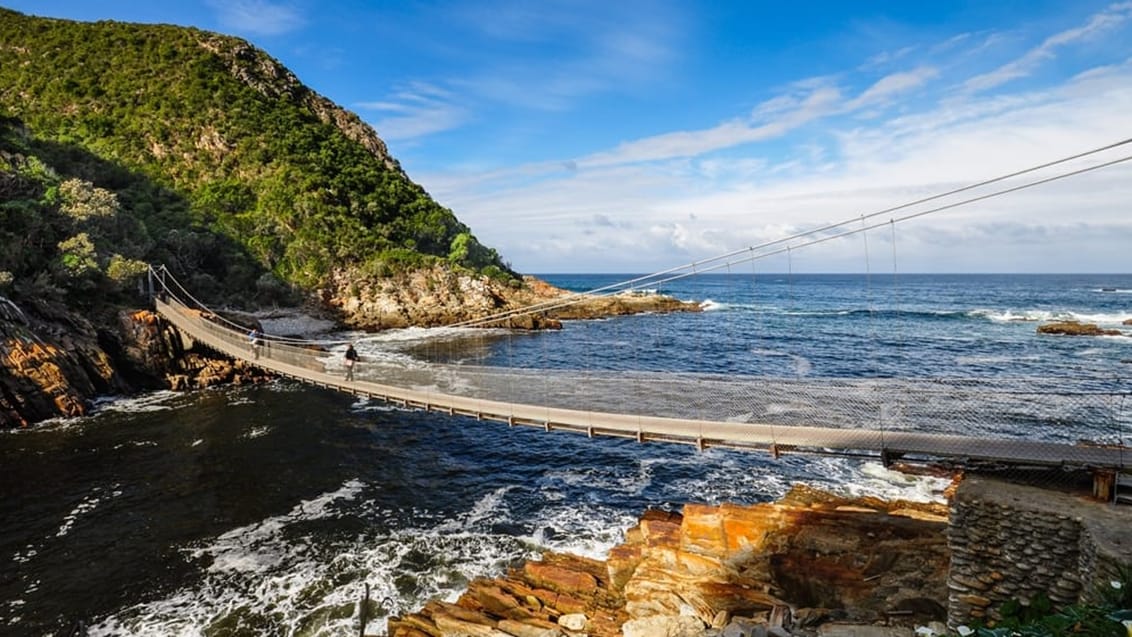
[(301, 364)]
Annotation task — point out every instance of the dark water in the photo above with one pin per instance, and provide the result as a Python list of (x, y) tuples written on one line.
[(262, 510)]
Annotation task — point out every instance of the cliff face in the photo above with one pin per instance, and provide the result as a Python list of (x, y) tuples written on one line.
[(52, 368), (49, 369), (788, 566)]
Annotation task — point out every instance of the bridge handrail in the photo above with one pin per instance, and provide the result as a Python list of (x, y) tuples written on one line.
[(311, 366)]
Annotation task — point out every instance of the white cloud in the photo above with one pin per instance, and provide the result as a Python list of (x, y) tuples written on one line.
[(806, 157), (1106, 20), (949, 144), (893, 85), (819, 102), (258, 17), (808, 100), (416, 111)]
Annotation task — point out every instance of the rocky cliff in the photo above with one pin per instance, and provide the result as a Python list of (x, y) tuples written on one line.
[(52, 366), (782, 568), (443, 296)]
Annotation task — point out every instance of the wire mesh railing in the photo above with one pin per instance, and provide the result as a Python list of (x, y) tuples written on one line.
[(1003, 420)]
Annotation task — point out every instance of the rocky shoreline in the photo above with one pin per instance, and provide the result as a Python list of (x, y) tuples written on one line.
[(54, 362), (810, 564), (437, 296), (813, 565)]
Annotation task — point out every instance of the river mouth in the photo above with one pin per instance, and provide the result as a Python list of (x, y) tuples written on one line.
[(266, 509)]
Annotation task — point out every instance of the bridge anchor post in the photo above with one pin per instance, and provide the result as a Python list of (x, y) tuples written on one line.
[(888, 456), (1104, 485)]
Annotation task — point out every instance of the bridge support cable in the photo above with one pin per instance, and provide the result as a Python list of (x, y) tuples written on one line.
[(876, 410), (930, 211), (823, 233), (761, 333), (802, 432), (899, 400)]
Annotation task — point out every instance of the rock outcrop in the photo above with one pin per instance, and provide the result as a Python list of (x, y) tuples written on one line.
[(51, 375), (443, 296), (53, 362), (1075, 328), (153, 350), (780, 568)]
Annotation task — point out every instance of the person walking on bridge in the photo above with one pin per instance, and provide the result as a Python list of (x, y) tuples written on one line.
[(255, 340), (351, 360)]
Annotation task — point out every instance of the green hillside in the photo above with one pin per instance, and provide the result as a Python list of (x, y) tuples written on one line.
[(199, 151)]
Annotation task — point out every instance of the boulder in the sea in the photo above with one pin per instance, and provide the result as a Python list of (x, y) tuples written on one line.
[(1075, 328)]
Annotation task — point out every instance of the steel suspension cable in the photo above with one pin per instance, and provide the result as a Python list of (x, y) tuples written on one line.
[(909, 217), (712, 263)]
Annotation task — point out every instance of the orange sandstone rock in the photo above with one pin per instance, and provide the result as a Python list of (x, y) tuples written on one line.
[(810, 551)]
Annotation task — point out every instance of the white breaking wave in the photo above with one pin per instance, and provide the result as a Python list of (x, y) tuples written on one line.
[(1104, 319), (144, 403), (491, 506), (410, 336), (275, 577), (256, 432), (89, 504), (1013, 316), (230, 550), (254, 568), (1010, 316), (265, 578), (887, 484)]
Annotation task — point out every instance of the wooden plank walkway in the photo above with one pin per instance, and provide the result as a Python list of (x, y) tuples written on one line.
[(303, 364)]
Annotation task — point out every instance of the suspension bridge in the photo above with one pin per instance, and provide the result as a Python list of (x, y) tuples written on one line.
[(915, 420), (495, 394)]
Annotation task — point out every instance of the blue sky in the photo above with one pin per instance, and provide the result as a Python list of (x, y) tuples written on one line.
[(632, 136)]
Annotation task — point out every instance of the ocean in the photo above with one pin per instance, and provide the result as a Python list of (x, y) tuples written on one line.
[(266, 509)]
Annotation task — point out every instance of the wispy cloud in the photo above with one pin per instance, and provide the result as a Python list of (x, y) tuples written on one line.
[(892, 85), (832, 147), (258, 17), (416, 111), (1106, 20), (808, 101), (662, 212), (549, 56), (790, 113)]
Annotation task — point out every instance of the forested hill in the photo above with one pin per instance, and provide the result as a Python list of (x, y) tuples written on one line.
[(167, 144)]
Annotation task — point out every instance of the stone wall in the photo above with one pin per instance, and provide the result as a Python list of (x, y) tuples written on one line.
[(1014, 542)]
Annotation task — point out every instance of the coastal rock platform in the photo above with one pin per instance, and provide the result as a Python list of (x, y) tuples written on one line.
[(784, 568), (438, 296)]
